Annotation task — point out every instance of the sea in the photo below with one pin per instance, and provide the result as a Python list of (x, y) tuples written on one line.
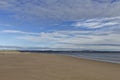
[(105, 57)]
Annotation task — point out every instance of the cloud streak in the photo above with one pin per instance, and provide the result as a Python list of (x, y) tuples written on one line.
[(98, 23), (19, 32)]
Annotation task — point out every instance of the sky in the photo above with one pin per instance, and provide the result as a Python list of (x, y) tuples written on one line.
[(61, 24)]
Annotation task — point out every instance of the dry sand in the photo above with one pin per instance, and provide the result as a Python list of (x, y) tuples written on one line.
[(54, 67)]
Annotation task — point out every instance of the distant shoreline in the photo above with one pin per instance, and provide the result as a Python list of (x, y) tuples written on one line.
[(51, 51)]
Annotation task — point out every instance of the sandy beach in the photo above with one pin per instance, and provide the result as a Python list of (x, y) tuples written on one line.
[(21, 66)]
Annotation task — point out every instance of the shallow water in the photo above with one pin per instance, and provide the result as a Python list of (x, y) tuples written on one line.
[(106, 57)]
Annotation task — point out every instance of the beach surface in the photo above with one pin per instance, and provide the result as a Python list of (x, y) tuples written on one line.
[(27, 66)]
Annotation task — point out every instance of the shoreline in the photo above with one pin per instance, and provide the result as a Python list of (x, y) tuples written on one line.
[(98, 60)]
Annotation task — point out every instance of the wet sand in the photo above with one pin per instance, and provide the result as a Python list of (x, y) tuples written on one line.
[(21, 66)]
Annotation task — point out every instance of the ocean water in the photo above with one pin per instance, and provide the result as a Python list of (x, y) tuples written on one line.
[(106, 57)]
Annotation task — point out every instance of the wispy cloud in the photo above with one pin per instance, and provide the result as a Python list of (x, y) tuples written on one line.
[(98, 23), (19, 32)]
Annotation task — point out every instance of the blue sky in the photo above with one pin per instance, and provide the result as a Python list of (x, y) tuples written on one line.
[(67, 24)]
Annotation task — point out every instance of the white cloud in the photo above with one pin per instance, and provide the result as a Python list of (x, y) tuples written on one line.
[(19, 32), (98, 22), (89, 25)]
